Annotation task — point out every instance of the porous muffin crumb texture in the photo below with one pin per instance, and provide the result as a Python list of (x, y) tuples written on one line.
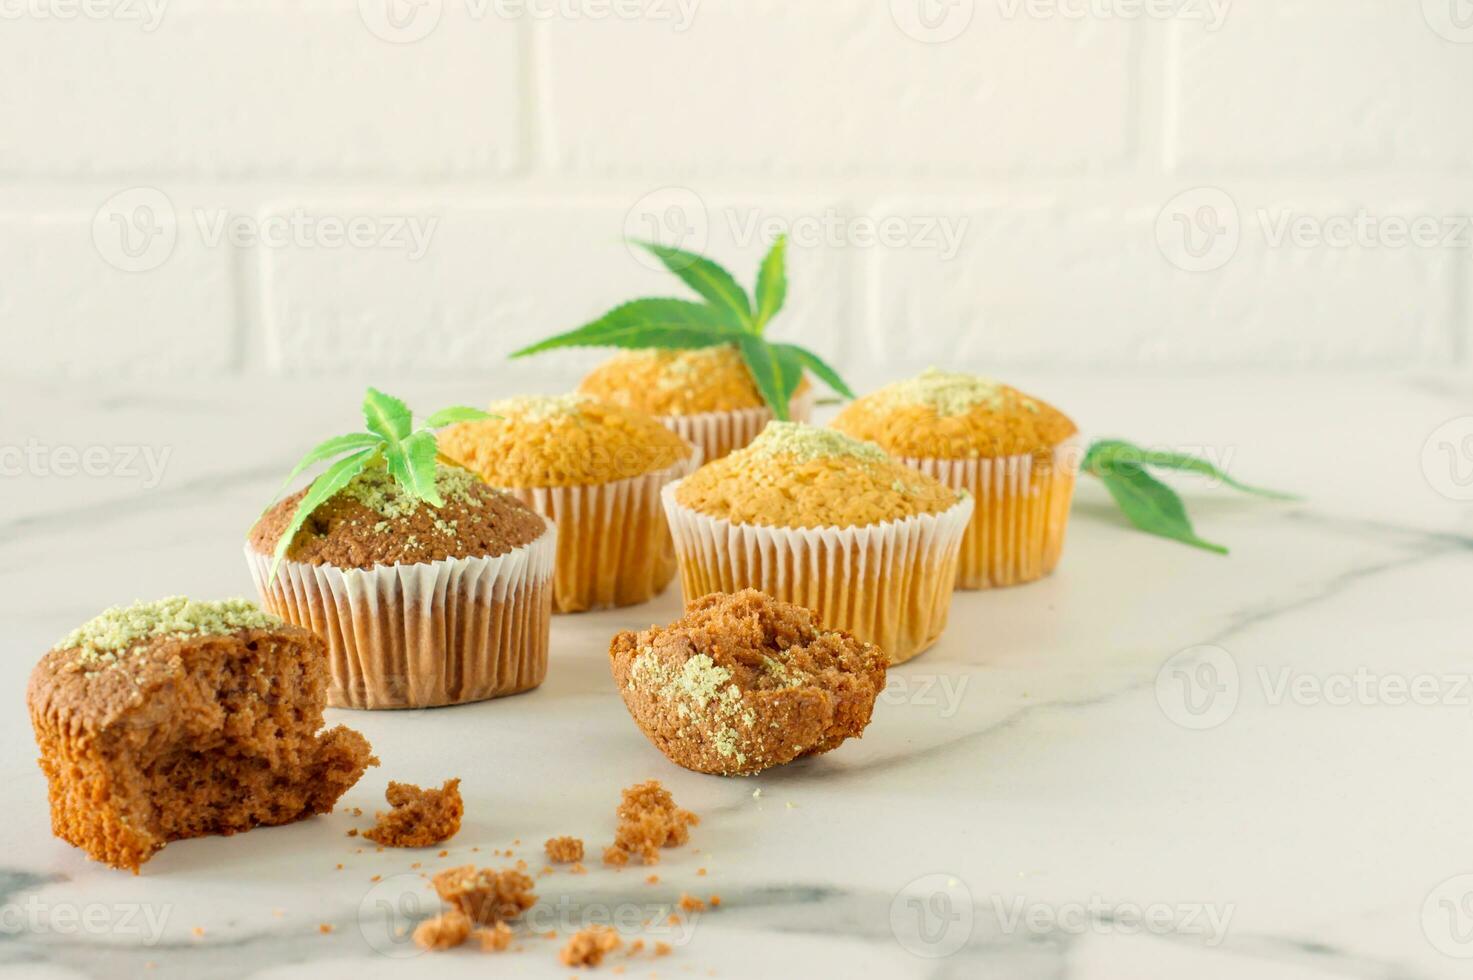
[(562, 441), (648, 821), (946, 415), (796, 475), (564, 850), (588, 947), (443, 931), (677, 382), (485, 896), (419, 817), (373, 522), (744, 682), (496, 939), (161, 722)]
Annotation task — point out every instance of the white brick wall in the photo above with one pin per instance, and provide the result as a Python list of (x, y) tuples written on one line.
[(317, 187)]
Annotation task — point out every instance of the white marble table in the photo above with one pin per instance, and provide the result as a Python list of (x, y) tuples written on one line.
[(1028, 790)]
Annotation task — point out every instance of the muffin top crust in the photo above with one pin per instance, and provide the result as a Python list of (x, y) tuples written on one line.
[(677, 382), (945, 415), (373, 521), (103, 640), (562, 441), (796, 475)]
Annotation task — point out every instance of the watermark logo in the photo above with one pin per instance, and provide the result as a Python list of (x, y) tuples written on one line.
[(932, 917), (401, 21), (1103, 917), (1212, 14), (1199, 230), (933, 21), (1198, 688), (675, 217), (147, 14), (144, 465), (133, 920), (1451, 19), (301, 228), (1447, 459), (389, 912), (135, 230), (1447, 917), (932, 691)]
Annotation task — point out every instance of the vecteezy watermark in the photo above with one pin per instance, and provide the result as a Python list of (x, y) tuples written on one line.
[(1447, 459), (407, 21), (933, 21), (1451, 19), (133, 920), (939, 691), (933, 916), (1210, 13), (1198, 688), (1201, 229), (1367, 687), (1447, 917), (146, 14), (1103, 917), (135, 230), (145, 464)]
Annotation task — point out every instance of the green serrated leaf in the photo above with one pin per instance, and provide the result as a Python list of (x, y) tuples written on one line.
[(772, 284), (776, 373), (816, 364), (412, 464), (456, 413), (327, 449), (1151, 505), (1108, 452), (718, 286), (664, 323), (386, 415), (330, 482)]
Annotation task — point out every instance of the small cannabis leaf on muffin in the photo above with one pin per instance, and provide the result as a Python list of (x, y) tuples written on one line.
[(1148, 503), (407, 453), (728, 316)]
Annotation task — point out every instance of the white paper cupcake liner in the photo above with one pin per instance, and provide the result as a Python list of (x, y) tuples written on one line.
[(416, 636), (1017, 530), (719, 433), (614, 547), (888, 583)]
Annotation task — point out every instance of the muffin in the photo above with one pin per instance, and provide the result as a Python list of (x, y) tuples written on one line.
[(706, 396), (173, 719), (419, 605), (745, 682), (814, 517), (596, 470), (1016, 455)]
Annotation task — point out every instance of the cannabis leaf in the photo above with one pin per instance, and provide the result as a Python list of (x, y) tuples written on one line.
[(406, 452), (728, 316), (1148, 503)]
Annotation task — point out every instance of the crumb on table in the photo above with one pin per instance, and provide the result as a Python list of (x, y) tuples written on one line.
[(564, 850), (648, 821), (589, 946), (443, 931), (495, 939), (486, 896), (420, 817), (690, 903)]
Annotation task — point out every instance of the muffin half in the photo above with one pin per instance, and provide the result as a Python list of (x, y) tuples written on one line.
[(173, 719), (596, 470), (1016, 455), (706, 396), (419, 605), (813, 517)]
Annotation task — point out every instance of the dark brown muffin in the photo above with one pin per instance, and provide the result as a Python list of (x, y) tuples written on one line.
[(176, 719), (745, 682)]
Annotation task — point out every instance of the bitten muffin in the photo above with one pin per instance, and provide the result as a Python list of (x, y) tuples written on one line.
[(596, 470), (814, 517), (419, 605), (1014, 453), (745, 682), (173, 719), (706, 395)]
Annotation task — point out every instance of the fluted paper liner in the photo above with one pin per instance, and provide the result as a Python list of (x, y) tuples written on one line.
[(418, 636), (716, 434), (614, 547), (888, 583), (1017, 530)]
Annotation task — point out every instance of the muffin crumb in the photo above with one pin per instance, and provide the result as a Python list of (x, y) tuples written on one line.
[(588, 947), (564, 850), (443, 931), (485, 896), (648, 821), (420, 817), (496, 939)]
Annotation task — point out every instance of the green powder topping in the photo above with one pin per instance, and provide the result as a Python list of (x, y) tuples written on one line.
[(699, 686), (122, 627), (538, 408), (945, 392), (375, 489), (803, 443)]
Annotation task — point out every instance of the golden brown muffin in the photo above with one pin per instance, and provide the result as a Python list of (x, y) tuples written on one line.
[(1012, 452), (595, 470), (744, 682), (419, 605), (173, 719)]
